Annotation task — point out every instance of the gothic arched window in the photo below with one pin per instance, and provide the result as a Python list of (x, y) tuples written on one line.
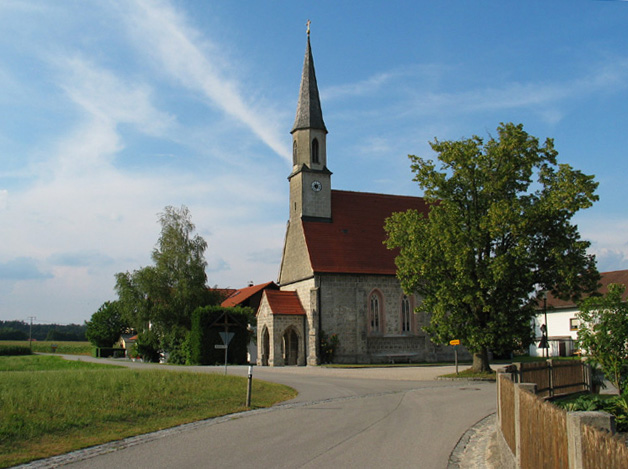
[(315, 151), (294, 152), (376, 314), (406, 315)]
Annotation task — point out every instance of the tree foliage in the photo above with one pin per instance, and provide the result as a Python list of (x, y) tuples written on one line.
[(105, 326), (603, 333), (498, 230), (165, 294)]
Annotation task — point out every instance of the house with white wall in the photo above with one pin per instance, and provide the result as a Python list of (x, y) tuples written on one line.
[(562, 324)]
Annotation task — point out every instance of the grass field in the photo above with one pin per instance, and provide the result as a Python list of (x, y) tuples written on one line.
[(49, 406), (69, 348)]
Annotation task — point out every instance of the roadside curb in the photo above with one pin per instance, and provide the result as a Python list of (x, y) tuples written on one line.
[(471, 452)]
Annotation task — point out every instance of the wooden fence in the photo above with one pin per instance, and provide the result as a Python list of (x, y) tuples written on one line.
[(533, 433), (553, 377)]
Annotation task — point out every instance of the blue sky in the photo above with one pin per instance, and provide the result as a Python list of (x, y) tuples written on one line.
[(112, 110)]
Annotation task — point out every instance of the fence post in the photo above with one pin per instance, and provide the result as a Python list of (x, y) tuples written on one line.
[(575, 421), (550, 374), (517, 376), (519, 388)]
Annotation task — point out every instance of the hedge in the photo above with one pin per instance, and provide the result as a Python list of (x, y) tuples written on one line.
[(207, 323)]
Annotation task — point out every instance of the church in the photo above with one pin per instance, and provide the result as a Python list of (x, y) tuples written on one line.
[(336, 275)]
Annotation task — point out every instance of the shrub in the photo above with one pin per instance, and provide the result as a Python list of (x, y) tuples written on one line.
[(329, 345)]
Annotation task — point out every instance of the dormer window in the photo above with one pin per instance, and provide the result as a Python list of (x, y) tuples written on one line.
[(315, 159)]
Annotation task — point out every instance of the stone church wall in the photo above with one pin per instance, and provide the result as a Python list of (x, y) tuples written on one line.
[(345, 311)]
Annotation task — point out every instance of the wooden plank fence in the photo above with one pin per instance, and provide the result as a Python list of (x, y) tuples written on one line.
[(553, 377)]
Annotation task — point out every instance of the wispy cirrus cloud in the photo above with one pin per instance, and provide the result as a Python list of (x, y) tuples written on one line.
[(168, 36)]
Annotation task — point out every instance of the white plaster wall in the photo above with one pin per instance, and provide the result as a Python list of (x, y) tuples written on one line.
[(558, 325)]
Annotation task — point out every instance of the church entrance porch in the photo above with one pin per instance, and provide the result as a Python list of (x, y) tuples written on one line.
[(290, 347)]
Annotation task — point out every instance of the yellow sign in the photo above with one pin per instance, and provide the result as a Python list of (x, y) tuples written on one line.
[(454, 342)]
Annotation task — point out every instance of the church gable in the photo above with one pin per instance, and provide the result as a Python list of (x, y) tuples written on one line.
[(353, 241)]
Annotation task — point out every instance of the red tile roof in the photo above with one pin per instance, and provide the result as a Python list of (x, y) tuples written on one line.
[(617, 276), (238, 296), (353, 241), (284, 302)]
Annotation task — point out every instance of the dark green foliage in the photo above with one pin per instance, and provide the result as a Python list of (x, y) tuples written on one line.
[(616, 405), (329, 345), (207, 323), (6, 350), (106, 325), (73, 332), (603, 334), (147, 346), (60, 335), (9, 333), (498, 231)]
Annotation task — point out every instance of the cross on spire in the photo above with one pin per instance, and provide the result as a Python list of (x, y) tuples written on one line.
[(308, 27)]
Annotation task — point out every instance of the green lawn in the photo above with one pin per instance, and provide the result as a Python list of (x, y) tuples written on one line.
[(49, 406)]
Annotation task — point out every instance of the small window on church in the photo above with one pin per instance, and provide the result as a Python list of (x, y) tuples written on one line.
[(294, 152), (315, 151), (375, 314), (406, 315)]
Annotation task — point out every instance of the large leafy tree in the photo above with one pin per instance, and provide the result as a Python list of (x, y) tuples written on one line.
[(165, 294), (105, 326), (498, 231), (603, 334)]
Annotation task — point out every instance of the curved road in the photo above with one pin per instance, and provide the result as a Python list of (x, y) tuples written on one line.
[(373, 417)]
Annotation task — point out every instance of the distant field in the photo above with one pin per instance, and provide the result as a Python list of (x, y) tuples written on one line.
[(47, 409), (69, 348)]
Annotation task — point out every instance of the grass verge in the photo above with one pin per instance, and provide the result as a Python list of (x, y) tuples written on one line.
[(53, 411), (468, 374)]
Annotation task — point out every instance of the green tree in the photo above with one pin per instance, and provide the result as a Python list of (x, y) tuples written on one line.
[(105, 326), (603, 334), (498, 231), (165, 294)]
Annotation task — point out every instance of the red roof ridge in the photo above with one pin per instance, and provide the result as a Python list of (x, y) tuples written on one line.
[(606, 278), (284, 302), (242, 294)]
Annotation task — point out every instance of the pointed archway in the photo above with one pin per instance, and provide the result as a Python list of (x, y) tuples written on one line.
[(265, 346), (290, 346)]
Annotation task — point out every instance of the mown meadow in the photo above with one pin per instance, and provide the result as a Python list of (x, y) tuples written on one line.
[(51, 406)]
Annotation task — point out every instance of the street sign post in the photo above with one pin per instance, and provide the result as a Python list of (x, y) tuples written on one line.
[(455, 343), (226, 338)]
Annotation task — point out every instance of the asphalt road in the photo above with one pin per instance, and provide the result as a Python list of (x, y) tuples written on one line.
[(391, 417)]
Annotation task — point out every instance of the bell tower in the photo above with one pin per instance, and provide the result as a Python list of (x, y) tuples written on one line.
[(310, 180)]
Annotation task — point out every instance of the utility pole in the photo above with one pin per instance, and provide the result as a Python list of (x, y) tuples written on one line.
[(30, 332)]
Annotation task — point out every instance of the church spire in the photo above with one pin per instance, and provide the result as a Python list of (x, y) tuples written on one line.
[(309, 113)]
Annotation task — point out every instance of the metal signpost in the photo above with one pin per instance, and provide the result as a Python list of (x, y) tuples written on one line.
[(455, 343), (248, 389), (226, 338)]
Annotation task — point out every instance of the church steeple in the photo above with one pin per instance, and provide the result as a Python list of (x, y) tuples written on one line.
[(309, 113), (310, 180)]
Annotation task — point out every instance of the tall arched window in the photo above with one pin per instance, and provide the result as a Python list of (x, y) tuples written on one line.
[(376, 314), (406, 315), (315, 151), (294, 152)]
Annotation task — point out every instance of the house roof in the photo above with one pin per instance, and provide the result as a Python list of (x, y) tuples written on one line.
[(284, 302), (617, 276), (353, 241), (243, 294)]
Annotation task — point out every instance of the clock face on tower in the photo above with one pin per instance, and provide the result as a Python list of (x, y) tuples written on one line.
[(316, 186)]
